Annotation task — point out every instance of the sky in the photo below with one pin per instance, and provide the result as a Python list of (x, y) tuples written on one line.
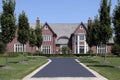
[(59, 11)]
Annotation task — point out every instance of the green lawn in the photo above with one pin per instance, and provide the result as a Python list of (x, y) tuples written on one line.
[(107, 70), (17, 70)]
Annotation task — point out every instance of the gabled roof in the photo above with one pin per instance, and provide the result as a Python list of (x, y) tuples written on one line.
[(64, 29), (85, 27), (46, 24)]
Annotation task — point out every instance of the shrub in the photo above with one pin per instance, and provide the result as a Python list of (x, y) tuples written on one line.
[(116, 49), (13, 54), (90, 52), (65, 50), (38, 53)]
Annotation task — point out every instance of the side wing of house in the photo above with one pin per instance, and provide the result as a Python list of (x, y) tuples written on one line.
[(48, 45), (79, 45)]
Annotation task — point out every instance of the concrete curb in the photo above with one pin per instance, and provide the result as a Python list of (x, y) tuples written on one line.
[(98, 76)]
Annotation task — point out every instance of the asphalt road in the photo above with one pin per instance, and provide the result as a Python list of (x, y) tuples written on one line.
[(63, 67)]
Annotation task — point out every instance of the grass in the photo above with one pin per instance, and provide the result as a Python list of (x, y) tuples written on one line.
[(17, 70), (108, 70)]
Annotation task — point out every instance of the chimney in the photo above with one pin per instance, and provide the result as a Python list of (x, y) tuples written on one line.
[(37, 22), (89, 20)]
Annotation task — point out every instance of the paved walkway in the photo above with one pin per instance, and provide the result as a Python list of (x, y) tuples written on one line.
[(64, 69)]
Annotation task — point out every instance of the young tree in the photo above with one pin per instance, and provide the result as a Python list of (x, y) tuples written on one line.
[(39, 39), (23, 30), (89, 34), (96, 31), (32, 39), (7, 20), (92, 33), (116, 23), (105, 23)]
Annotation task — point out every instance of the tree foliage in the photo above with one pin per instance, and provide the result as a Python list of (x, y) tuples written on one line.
[(105, 22), (32, 38), (96, 31), (92, 33), (116, 23), (23, 28), (116, 49), (2, 47), (7, 20), (39, 38), (89, 35)]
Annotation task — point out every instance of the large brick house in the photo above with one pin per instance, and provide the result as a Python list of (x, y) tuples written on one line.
[(57, 35)]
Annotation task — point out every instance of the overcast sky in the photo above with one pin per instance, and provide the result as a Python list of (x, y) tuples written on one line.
[(59, 11)]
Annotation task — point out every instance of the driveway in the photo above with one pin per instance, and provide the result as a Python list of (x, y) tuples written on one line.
[(64, 67)]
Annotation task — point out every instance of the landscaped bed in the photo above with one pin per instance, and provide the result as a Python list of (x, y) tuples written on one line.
[(17, 70), (111, 70)]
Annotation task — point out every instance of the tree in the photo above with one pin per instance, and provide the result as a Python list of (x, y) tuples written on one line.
[(32, 39), (39, 38), (96, 31), (92, 33), (7, 21), (89, 33), (105, 23), (23, 30), (116, 23)]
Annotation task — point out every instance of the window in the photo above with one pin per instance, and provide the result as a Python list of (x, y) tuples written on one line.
[(46, 49), (19, 47), (81, 27), (101, 49), (46, 28), (47, 38), (81, 49), (76, 37), (81, 36)]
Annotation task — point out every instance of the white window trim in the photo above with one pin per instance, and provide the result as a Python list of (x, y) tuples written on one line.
[(47, 37), (78, 41), (105, 48), (18, 47), (47, 48)]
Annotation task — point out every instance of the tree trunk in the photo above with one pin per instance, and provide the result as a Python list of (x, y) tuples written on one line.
[(96, 51), (105, 56), (90, 52), (23, 54), (32, 52), (6, 55)]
